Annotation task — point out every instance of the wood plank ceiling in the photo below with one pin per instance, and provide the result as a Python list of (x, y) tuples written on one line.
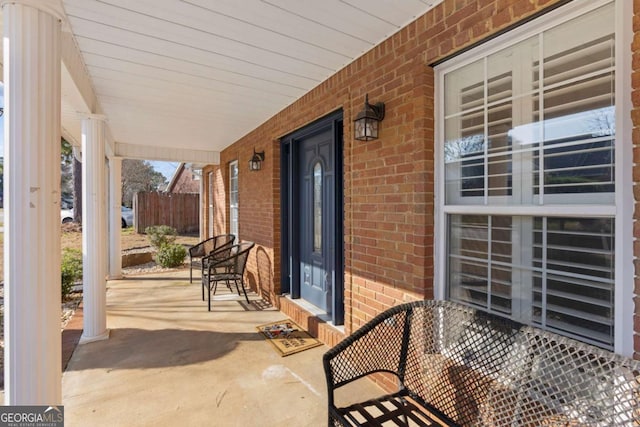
[(200, 74)]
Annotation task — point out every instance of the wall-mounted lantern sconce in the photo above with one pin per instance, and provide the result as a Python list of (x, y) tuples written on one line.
[(255, 164), (367, 121)]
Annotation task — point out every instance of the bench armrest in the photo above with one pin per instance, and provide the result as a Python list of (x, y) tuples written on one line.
[(378, 346)]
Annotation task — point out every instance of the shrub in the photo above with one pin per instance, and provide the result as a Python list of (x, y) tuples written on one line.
[(161, 235), (71, 269), (171, 255)]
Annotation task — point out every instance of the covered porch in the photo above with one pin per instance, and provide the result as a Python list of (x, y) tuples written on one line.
[(264, 98), (164, 81), (169, 361)]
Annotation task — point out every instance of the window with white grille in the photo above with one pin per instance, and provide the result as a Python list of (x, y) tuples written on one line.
[(233, 198), (528, 193)]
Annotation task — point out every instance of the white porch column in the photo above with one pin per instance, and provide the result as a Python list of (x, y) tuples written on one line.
[(32, 353), (115, 216), (94, 229)]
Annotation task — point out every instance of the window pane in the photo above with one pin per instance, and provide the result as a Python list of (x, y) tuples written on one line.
[(233, 198), (577, 111), (317, 207), (557, 273), (465, 88), (464, 158), (464, 147), (480, 261), (518, 129), (574, 281), (506, 76), (499, 122), (468, 251), (533, 125)]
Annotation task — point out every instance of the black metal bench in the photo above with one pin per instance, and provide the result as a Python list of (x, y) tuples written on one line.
[(459, 366)]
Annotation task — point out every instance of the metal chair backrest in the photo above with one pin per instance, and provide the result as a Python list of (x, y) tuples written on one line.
[(200, 249), (239, 257), (211, 244), (221, 241)]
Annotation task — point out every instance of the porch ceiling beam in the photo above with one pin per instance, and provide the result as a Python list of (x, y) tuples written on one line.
[(170, 154), (75, 79), (78, 95)]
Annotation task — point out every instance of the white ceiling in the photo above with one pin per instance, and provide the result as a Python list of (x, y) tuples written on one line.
[(200, 74)]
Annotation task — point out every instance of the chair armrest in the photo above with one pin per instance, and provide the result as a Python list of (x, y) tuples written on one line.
[(378, 346), (214, 263), (217, 255), (196, 251)]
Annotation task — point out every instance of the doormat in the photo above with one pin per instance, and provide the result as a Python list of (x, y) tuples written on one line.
[(287, 337)]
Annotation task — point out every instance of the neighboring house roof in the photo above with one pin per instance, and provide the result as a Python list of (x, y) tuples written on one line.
[(184, 180)]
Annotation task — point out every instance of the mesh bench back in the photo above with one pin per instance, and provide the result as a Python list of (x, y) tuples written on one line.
[(483, 370), (457, 356)]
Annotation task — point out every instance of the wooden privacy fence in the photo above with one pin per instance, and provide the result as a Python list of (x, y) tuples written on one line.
[(178, 210)]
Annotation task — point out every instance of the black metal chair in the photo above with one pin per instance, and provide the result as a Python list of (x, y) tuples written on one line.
[(219, 260), (227, 269), (205, 248)]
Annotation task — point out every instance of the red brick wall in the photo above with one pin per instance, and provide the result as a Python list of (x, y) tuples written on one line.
[(388, 183), (220, 201), (186, 182)]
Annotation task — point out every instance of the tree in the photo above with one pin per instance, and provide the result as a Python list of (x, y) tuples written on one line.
[(71, 180), (77, 190), (66, 175), (139, 175)]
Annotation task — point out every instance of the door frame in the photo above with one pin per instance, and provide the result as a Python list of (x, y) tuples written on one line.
[(289, 222)]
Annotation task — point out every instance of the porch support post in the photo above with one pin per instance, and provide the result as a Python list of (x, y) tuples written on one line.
[(32, 353), (115, 217), (94, 227)]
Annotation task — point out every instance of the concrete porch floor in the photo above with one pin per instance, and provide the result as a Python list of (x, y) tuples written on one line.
[(169, 361)]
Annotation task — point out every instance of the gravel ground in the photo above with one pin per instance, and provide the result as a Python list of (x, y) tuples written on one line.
[(150, 267)]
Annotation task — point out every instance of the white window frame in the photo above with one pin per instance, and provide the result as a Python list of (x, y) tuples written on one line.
[(234, 205), (624, 205)]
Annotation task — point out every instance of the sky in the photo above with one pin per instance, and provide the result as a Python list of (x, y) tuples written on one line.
[(165, 168)]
